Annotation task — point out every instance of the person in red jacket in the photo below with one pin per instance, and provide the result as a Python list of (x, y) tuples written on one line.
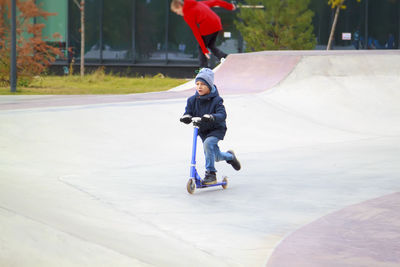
[(205, 24)]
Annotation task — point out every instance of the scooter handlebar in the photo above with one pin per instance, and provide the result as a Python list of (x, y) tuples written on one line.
[(196, 121), (187, 119)]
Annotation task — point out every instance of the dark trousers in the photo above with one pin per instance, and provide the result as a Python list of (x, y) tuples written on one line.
[(209, 41)]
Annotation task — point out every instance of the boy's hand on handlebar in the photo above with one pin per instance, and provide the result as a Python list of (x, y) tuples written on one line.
[(208, 118), (186, 119)]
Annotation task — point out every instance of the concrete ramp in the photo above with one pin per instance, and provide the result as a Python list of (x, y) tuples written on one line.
[(249, 73), (240, 73), (366, 234), (253, 73), (101, 180), (356, 92)]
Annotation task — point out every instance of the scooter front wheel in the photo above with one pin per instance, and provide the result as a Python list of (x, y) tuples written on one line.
[(225, 181), (191, 186)]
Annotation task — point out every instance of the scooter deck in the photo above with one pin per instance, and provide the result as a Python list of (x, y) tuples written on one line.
[(193, 183), (211, 185)]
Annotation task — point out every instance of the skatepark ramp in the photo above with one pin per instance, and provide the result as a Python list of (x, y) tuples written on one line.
[(354, 91), (350, 89), (101, 180), (260, 71)]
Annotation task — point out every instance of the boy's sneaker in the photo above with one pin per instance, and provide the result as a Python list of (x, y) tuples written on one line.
[(210, 178), (234, 162)]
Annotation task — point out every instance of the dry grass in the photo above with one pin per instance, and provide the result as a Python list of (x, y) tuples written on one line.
[(95, 83)]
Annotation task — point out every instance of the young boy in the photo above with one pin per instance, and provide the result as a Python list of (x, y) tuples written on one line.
[(205, 24), (207, 104)]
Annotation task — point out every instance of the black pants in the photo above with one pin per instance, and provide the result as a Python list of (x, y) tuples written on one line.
[(209, 41)]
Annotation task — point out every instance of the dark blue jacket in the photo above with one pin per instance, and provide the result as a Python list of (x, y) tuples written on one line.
[(212, 104)]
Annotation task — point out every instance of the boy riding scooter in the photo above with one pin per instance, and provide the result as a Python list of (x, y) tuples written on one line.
[(208, 105)]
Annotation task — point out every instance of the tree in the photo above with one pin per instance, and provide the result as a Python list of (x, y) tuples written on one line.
[(282, 24), (338, 4), (34, 54), (81, 7)]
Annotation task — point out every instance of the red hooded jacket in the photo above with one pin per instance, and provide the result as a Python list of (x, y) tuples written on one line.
[(202, 20)]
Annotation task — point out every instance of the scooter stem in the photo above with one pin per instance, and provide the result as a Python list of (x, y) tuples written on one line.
[(193, 163), (195, 133), (196, 126)]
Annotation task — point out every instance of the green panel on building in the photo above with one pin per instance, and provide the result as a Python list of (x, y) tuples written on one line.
[(57, 23)]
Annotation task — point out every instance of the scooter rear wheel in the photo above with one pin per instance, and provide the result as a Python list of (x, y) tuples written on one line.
[(225, 180), (191, 186)]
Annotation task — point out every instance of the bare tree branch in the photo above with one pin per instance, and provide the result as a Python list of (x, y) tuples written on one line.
[(333, 28), (77, 3)]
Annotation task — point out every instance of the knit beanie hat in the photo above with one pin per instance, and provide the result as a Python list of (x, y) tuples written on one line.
[(206, 75)]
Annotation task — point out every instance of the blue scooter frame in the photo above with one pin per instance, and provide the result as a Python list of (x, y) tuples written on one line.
[(195, 180)]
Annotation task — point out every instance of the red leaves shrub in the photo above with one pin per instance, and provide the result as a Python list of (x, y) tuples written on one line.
[(34, 52)]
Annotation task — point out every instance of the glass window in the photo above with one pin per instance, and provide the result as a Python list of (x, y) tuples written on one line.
[(229, 40), (92, 30), (117, 30), (321, 21), (182, 46), (150, 29), (383, 23), (351, 20), (57, 23), (374, 24)]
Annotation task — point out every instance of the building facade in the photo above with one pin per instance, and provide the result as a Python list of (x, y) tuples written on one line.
[(140, 33)]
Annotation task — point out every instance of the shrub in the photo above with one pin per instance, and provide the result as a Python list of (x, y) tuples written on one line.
[(34, 52), (281, 25)]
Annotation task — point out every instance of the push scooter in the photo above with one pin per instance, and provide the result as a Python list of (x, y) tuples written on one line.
[(195, 180)]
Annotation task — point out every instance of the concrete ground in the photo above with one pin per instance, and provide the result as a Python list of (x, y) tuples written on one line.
[(101, 180)]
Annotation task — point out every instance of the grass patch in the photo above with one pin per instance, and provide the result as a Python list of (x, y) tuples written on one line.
[(95, 83)]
